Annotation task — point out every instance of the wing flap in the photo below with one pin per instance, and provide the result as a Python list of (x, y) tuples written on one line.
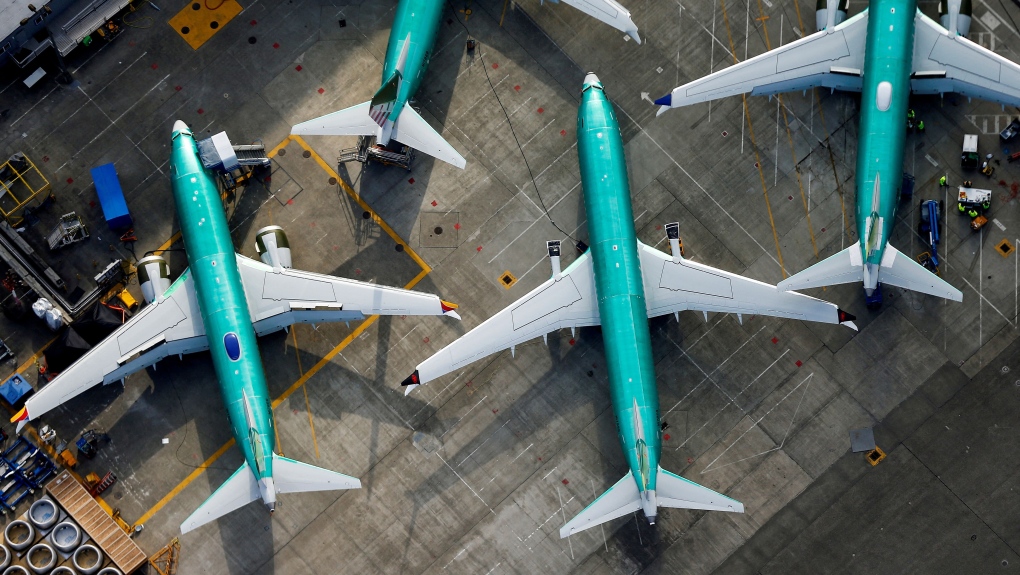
[(677, 285), (565, 301), (241, 489)]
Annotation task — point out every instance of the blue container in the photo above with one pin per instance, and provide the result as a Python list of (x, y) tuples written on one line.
[(111, 197), (15, 389)]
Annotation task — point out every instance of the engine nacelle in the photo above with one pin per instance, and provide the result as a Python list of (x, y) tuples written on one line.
[(962, 19), (153, 277), (822, 12), (272, 245)]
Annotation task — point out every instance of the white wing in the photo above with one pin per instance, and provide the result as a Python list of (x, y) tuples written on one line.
[(281, 297), (833, 59), (353, 121), (674, 285), (411, 129), (945, 63), (610, 12), (169, 326), (565, 301)]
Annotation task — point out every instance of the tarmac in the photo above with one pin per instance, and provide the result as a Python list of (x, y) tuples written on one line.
[(476, 472)]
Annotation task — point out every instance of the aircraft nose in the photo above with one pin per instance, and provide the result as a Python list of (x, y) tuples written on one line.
[(591, 78), (180, 126)]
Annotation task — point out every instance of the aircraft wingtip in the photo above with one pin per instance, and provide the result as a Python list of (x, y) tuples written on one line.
[(412, 381)]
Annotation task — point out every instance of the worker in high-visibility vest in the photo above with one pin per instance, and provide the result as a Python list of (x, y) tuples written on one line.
[(910, 114), (920, 126), (942, 182), (972, 212), (961, 207)]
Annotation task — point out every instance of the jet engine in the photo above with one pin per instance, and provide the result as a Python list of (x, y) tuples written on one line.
[(822, 12), (963, 11), (153, 277), (272, 245)]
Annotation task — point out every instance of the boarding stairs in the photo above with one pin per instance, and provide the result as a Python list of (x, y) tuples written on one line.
[(367, 151)]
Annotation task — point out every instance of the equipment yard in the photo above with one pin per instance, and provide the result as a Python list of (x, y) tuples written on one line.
[(478, 471)]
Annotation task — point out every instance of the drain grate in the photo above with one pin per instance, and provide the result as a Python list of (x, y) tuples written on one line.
[(507, 279), (875, 456), (1004, 248)]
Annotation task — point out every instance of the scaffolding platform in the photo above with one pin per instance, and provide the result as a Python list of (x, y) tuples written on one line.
[(367, 151), (21, 185), (87, 512)]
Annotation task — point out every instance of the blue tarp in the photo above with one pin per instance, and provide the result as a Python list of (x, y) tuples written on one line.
[(14, 389), (111, 197)]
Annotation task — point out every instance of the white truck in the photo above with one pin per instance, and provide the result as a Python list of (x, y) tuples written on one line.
[(970, 158)]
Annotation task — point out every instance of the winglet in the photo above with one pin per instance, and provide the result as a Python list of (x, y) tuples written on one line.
[(411, 382), (21, 416), (846, 319), (666, 100), (448, 309)]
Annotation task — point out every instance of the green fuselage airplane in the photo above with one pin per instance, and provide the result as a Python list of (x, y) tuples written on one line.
[(388, 115), (886, 52), (619, 283)]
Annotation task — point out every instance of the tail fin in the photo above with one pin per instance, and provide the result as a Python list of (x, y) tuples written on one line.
[(845, 267), (289, 476), (671, 491), (241, 489), (384, 100), (296, 477), (900, 271), (413, 130)]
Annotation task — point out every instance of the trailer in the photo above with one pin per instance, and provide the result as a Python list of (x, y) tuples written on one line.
[(111, 197), (969, 159), (973, 197)]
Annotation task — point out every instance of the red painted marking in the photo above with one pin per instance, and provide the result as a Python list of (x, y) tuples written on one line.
[(92, 204), (335, 248), (410, 180), (434, 203), (757, 165), (357, 271), (294, 411), (541, 110), (823, 230), (495, 66), (426, 340), (563, 132), (540, 459), (456, 226), (690, 460), (517, 87), (254, 22), (45, 158), (290, 202), (478, 249), (177, 88), (268, 179), (657, 228), (666, 437), (276, 44), (469, 383), (322, 90), (799, 363), (565, 482), (313, 224), (789, 197), (132, 44), (70, 180), (775, 340), (201, 111), (154, 65), (495, 411), (298, 67), (725, 133), (572, 341)]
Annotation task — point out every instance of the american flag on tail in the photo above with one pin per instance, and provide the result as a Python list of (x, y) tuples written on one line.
[(384, 100)]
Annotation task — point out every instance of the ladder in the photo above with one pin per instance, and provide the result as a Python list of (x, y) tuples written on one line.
[(367, 152)]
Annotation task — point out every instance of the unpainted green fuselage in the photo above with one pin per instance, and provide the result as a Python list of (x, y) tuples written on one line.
[(418, 20), (888, 57), (621, 297), (221, 299)]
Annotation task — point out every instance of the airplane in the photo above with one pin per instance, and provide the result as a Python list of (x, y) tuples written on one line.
[(619, 283), (885, 52), (221, 303), (388, 115)]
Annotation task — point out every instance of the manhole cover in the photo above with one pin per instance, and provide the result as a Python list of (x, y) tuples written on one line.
[(282, 152), (438, 231), (365, 215), (332, 181), (400, 247), (306, 154), (252, 39)]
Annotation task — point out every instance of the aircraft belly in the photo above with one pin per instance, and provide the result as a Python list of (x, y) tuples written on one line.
[(619, 285)]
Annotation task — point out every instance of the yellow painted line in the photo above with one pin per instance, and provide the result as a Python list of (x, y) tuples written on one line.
[(32, 359), (325, 359), (789, 136), (357, 198), (754, 146), (304, 388), (198, 22)]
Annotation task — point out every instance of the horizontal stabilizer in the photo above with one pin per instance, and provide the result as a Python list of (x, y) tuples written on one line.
[(842, 268), (241, 489), (900, 271), (411, 129), (619, 500), (353, 121), (295, 477), (675, 491)]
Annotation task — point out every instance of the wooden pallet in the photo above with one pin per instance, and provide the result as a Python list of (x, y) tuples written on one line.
[(73, 497)]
